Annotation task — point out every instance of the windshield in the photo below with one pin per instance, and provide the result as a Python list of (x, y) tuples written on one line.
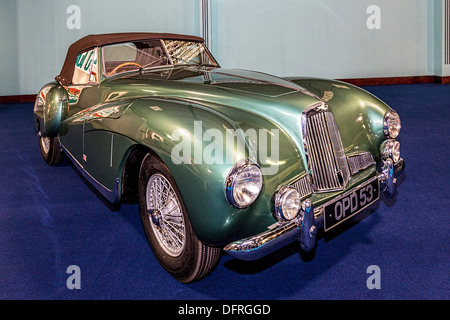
[(142, 55)]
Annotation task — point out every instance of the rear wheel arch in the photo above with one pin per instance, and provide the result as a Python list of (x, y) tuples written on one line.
[(50, 109)]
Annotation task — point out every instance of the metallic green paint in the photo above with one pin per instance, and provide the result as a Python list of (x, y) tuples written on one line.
[(144, 109), (51, 107), (358, 113)]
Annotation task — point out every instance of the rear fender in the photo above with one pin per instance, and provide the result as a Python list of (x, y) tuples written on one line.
[(50, 109)]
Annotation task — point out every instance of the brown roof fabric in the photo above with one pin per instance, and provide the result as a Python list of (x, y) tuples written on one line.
[(95, 40)]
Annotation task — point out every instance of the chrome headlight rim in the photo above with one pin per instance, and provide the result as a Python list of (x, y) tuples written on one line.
[(391, 124), (230, 182), (281, 198)]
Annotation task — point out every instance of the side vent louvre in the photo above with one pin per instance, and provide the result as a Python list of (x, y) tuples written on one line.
[(303, 186), (360, 162)]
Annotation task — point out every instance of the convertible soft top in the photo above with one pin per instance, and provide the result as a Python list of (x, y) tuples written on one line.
[(95, 40)]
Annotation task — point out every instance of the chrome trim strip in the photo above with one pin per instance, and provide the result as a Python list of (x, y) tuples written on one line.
[(112, 151), (163, 45), (256, 247), (112, 196)]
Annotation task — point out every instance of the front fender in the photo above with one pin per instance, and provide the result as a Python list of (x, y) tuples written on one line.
[(359, 114), (200, 145)]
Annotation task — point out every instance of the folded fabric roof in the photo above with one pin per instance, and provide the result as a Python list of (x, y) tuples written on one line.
[(96, 40)]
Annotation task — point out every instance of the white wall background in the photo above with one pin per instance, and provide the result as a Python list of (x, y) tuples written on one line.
[(325, 38), (35, 37), (9, 81)]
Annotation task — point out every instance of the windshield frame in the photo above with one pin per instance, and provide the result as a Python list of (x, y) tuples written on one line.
[(212, 62)]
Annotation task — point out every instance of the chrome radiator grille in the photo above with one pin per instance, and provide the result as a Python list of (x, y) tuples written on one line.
[(326, 158)]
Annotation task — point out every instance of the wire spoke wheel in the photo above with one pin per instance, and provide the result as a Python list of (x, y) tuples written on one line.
[(50, 150), (165, 215), (167, 226), (45, 143)]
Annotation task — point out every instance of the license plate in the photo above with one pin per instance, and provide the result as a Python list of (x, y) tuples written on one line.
[(350, 204)]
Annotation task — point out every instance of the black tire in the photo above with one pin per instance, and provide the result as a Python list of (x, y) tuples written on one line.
[(186, 259), (50, 150)]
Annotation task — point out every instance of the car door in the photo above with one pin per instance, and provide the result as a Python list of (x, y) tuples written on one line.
[(103, 149), (83, 95)]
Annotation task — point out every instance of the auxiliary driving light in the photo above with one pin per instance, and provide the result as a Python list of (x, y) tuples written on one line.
[(391, 124), (287, 204), (390, 149)]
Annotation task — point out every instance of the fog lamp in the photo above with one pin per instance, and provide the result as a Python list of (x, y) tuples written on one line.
[(287, 204), (390, 149), (391, 124)]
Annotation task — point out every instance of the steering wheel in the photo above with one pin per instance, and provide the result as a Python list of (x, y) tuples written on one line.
[(114, 71)]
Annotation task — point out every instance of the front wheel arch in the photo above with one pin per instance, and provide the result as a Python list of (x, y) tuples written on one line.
[(130, 173)]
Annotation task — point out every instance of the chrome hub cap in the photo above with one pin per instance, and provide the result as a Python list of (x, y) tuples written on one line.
[(45, 142), (165, 215)]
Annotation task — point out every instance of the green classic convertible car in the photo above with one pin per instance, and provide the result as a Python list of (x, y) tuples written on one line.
[(218, 159)]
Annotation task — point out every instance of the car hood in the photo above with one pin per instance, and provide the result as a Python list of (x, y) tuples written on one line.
[(249, 91), (241, 81), (201, 79), (241, 95)]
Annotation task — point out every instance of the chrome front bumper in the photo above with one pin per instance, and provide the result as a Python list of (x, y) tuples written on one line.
[(303, 228)]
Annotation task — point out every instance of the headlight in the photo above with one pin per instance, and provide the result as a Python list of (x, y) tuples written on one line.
[(390, 149), (287, 204), (243, 184), (391, 124)]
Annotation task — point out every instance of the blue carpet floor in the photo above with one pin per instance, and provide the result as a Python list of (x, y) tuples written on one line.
[(51, 219)]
